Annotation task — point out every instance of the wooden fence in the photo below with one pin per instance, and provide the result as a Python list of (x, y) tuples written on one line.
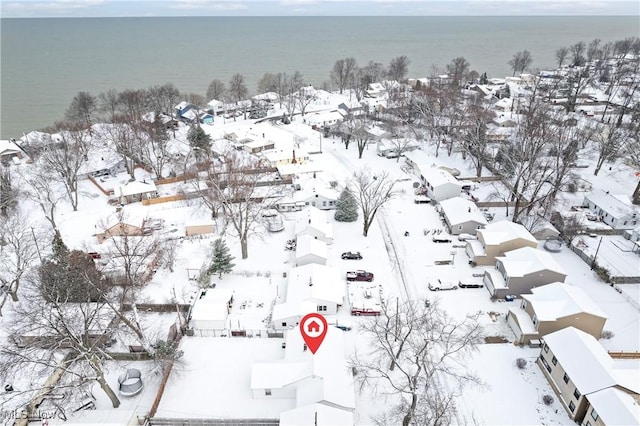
[(166, 199)]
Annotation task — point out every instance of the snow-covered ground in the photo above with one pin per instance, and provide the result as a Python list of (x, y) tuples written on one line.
[(220, 367)]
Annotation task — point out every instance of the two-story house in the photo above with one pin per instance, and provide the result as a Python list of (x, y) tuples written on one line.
[(578, 367), (518, 271), (496, 239), (553, 307)]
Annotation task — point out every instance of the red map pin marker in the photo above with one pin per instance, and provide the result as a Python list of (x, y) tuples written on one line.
[(313, 328)]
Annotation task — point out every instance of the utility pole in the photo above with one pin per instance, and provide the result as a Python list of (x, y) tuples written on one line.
[(593, 262)]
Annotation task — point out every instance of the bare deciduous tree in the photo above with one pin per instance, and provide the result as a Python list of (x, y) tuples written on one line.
[(155, 145), (163, 98), (520, 61), (216, 90), (81, 108), (561, 55), (372, 192), (18, 251), (474, 136), (458, 69), (610, 141), (398, 68), (108, 103), (413, 349), (65, 156), (237, 87), (235, 185)]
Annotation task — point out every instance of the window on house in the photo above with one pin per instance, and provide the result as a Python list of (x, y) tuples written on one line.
[(284, 324), (534, 319), (331, 203), (524, 304), (545, 363), (459, 227), (546, 347), (322, 308), (554, 360), (572, 406), (594, 414), (267, 392), (565, 378), (324, 203), (576, 393)]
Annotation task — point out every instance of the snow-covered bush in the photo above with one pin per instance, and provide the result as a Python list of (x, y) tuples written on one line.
[(521, 363)]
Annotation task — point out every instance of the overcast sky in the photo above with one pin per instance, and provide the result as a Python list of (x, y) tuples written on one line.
[(86, 8)]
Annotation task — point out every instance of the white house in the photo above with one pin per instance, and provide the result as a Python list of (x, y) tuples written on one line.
[(319, 385), (323, 285), (462, 216), (324, 118), (616, 211), (313, 222), (136, 191), (287, 315), (309, 249), (210, 312), (320, 197), (440, 184)]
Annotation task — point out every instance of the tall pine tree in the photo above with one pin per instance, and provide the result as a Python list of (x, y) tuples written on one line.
[(346, 207), (222, 261)]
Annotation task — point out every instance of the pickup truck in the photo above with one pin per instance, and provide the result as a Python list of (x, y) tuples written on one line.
[(359, 275)]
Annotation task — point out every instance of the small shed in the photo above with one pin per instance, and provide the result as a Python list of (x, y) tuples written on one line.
[(211, 310)]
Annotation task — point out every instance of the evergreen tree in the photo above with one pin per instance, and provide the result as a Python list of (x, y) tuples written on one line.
[(484, 79), (59, 249), (346, 207), (199, 140), (221, 263)]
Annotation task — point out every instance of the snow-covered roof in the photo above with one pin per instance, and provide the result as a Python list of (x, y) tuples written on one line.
[(213, 306), (268, 96), (182, 105), (459, 210), (99, 159), (437, 177), (585, 361), (315, 219), (8, 147), (292, 309), (136, 187), (558, 300), (276, 375), (612, 204), (524, 321), (418, 157), (214, 104), (323, 116), (505, 230), (279, 155), (615, 407), (326, 284), (308, 245), (528, 260)]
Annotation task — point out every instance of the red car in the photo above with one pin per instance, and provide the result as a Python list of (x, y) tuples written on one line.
[(359, 276)]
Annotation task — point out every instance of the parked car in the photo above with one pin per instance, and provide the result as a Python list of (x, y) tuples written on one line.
[(466, 237), (359, 275), (443, 239), (343, 327), (421, 199), (351, 255), (440, 285), (470, 285)]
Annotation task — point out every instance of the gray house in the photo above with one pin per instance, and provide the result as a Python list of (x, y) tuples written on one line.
[(462, 216), (518, 271)]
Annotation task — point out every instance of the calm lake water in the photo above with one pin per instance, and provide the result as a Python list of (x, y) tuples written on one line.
[(45, 62)]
